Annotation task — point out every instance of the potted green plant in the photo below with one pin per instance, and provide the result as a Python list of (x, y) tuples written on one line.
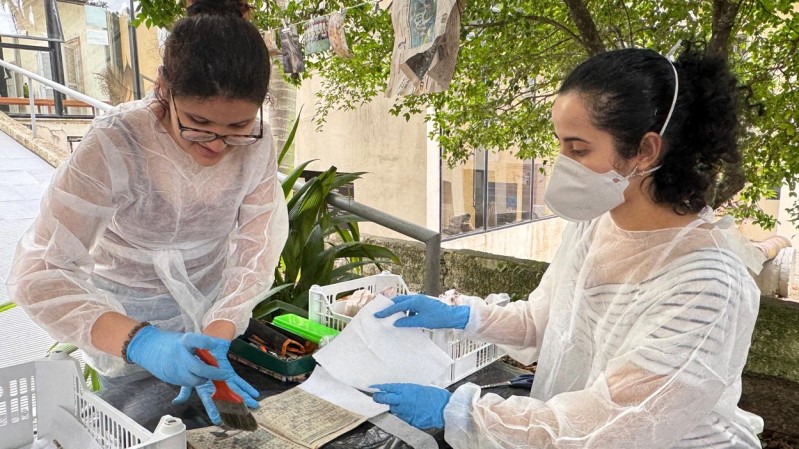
[(324, 246)]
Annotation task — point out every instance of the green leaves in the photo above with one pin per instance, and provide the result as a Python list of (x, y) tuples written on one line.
[(158, 13), (323, 246)]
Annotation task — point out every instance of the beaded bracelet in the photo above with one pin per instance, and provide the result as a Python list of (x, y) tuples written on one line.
[(132, 334)]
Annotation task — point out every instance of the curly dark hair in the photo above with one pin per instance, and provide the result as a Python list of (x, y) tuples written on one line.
[(629, 93), (214, 51)]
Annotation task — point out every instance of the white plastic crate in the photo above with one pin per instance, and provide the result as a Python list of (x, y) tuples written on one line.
[(468, 355), (46, 400)]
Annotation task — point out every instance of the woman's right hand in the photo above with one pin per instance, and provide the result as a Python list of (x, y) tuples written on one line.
[(170, 356), (424, 311)]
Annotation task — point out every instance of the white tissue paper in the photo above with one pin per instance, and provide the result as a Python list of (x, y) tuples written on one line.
[(323, 385), (372, 351)]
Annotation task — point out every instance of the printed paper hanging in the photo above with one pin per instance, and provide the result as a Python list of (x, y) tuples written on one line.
[(293, 58), (335, 31), (271, 44), (426, 43), (315, 36)]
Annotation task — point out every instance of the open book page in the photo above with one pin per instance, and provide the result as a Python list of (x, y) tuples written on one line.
[(305, 418), (294, 419), (219, 438)]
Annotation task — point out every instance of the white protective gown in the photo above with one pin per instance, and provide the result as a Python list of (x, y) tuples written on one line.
[(640, 337), (132, 224)]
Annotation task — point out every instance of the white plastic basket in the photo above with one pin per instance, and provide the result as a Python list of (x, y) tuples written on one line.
[(468, 355), (45, 400)]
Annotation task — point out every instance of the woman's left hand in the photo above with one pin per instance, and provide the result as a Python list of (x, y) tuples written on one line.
[(418, 405)]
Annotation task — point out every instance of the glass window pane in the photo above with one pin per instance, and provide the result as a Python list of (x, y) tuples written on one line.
[(15, 91), (540, 180), (23, 18), (96, 50), (508, 189), (462, 196)]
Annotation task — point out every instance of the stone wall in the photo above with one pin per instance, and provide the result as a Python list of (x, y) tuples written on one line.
[(469, 272), (42, 147), (775, 343)]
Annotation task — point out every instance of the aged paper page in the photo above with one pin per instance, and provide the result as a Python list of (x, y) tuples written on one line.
[(304, 418), (426, 44), (219, 438)]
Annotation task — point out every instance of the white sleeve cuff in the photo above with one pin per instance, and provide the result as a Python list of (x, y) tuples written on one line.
[(474, 315), (458, 425)]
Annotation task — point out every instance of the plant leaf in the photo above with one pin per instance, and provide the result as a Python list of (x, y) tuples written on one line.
[(290, 139)]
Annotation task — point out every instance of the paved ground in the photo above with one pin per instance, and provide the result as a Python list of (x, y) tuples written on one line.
[(23, 178)]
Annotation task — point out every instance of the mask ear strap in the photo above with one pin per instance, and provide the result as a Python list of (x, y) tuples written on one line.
[(635, 171), (669, 57)]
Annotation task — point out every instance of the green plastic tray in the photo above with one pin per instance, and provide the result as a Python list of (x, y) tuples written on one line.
[(287, 368), (304, 327)]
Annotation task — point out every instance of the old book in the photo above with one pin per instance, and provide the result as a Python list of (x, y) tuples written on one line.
[(293, 419)]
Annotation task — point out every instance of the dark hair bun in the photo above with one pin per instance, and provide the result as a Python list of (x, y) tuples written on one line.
[(219, 7)]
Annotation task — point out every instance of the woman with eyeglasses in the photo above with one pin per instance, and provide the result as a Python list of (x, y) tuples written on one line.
[(158, 235)]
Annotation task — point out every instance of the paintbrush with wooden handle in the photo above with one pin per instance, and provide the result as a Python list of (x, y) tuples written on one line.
[(231, 407)]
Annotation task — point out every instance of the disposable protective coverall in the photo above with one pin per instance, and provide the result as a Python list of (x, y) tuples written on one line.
[(132, 224), (640, 338)]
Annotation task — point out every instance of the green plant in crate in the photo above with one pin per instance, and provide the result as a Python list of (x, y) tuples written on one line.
[(323, 245)]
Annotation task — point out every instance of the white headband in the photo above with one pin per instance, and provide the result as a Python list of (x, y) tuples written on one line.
[(669, 56)]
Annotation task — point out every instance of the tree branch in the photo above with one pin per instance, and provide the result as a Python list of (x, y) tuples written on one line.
[(556, 24), (589, 35), (629, 22), (533, 18)]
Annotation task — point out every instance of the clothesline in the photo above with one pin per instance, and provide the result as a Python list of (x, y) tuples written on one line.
[(302, 22)]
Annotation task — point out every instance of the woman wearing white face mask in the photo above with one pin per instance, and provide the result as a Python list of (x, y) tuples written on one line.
[(643, 321)]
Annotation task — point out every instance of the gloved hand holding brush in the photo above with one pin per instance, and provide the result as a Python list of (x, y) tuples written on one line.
[(172, 358), (225, 402), (233, 383)]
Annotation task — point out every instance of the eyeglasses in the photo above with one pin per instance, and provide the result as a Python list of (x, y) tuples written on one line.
[(201, 135)]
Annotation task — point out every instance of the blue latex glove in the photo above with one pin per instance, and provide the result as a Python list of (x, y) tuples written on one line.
[(239, 386), (418, 405), (426, 312), (170, 356)]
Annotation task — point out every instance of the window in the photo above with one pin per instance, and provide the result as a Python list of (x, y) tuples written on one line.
[(43, 68), (72, 65), (491, 190)]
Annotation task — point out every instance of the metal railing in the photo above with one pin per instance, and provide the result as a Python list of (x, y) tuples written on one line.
[(431, 239), (93, 102)]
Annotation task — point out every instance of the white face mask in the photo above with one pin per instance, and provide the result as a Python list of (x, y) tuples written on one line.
[(577, 193)]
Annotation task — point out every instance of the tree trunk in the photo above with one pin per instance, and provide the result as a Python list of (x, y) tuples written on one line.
[(731, 182), (732, 177), (586, 27), (282, 111), (724, 14)]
